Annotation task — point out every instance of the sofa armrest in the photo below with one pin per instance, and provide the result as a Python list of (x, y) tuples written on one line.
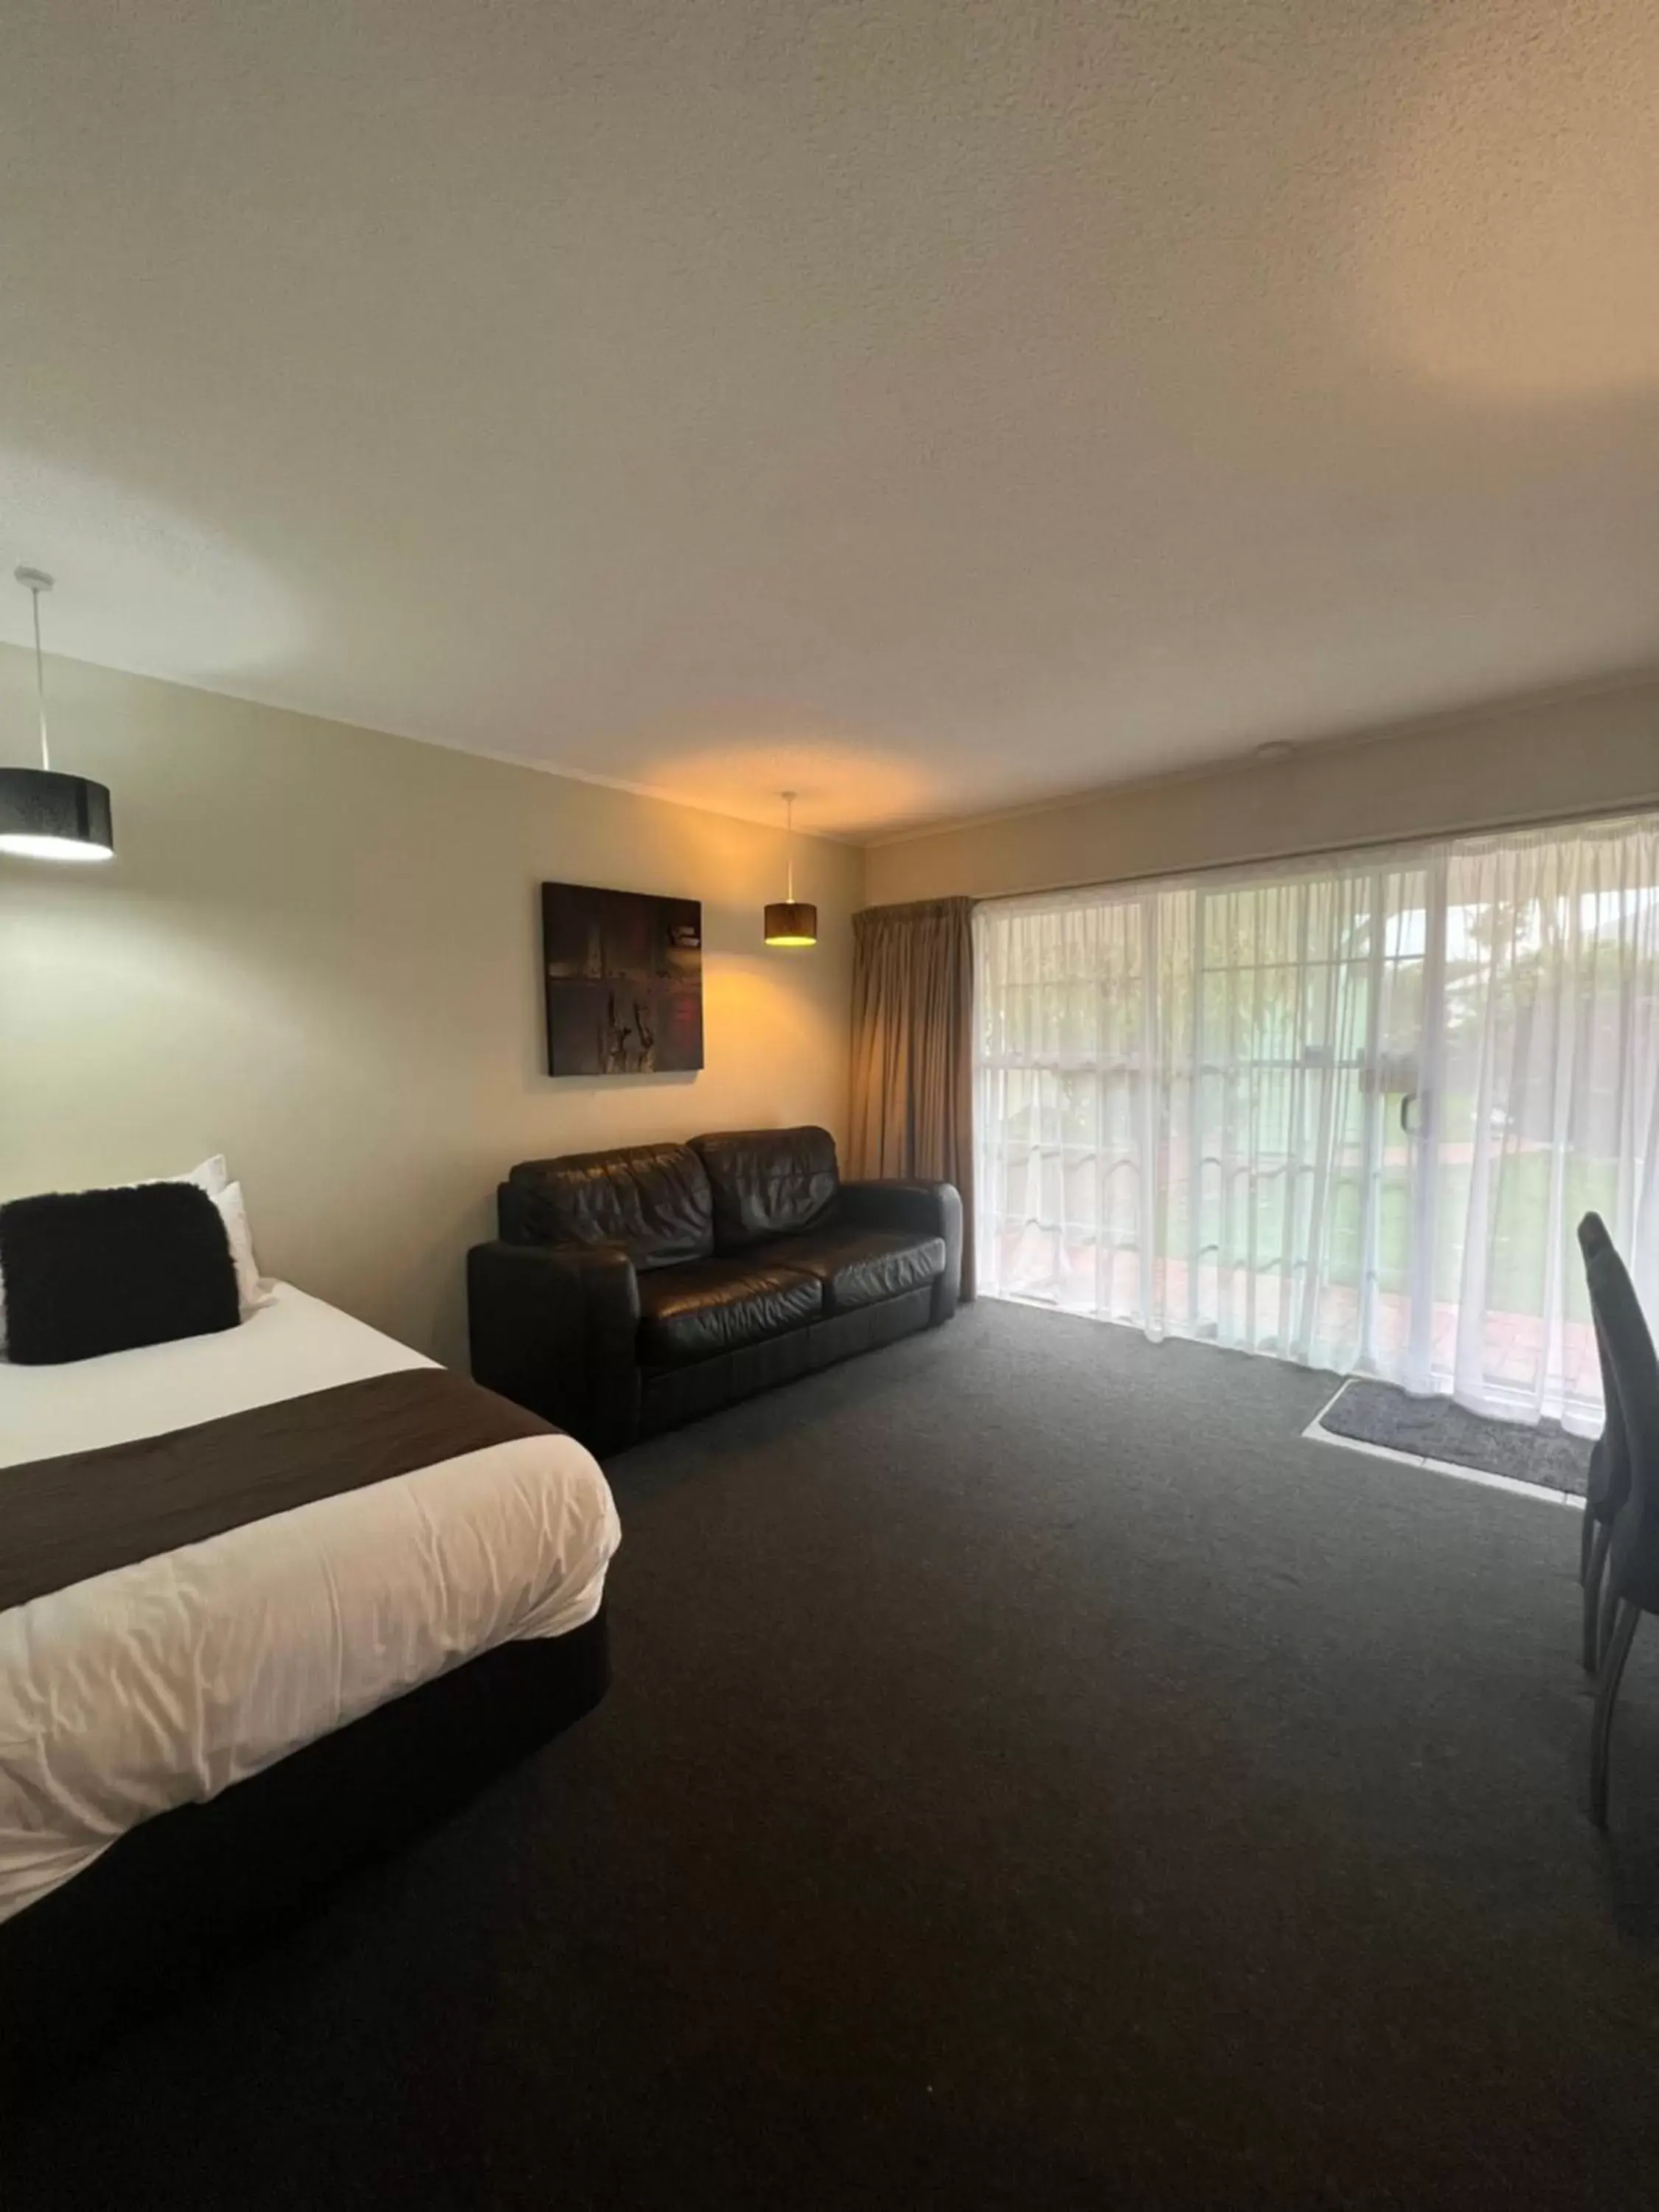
[(555, 1328), (925, 1209)]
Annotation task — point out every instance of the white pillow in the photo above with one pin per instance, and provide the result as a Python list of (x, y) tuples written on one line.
[(214, 1177), (252, 1291)]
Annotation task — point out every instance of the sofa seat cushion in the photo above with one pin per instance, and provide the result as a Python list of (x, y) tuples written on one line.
[(859, 1267), (711, 1306)]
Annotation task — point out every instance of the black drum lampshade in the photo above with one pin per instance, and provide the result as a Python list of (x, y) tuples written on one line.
[(790, 921), (46, 815)]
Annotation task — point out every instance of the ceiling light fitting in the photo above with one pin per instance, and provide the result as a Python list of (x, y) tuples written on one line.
[(45, 815), (790, 921)]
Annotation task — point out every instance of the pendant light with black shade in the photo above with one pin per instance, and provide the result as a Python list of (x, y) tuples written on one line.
[(45, 815), (790, 921)]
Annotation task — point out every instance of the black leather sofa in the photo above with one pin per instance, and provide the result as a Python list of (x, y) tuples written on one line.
[(633, 1290)]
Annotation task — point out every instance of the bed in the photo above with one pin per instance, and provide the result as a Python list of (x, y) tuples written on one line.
[(269, 1600)]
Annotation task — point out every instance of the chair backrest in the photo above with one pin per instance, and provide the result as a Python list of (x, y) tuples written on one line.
[(1608, 1484), (1627, 1350)]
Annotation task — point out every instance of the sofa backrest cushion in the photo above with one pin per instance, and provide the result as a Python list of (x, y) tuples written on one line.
[(653, 1198), (767, 1182)]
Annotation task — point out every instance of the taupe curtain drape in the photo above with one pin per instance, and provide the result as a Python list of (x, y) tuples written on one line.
[(913, 1015)]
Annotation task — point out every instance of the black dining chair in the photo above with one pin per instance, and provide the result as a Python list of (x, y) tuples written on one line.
[(1632, 1548), (1608, 1484)]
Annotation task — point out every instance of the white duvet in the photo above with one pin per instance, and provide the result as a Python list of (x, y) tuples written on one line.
[(170, 1680)]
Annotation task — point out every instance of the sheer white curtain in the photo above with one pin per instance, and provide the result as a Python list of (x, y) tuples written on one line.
[(1545, 1063), (1347, 1113)]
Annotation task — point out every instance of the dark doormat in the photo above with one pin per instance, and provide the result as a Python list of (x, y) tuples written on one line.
[(1433, 1428)]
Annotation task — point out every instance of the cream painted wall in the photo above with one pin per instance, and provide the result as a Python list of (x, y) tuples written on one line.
[(316, 951), (1538, 761)]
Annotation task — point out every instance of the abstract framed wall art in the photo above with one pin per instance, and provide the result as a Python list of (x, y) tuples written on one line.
[(621, 974)]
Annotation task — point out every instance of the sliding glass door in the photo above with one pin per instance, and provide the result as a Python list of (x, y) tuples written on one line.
[(1346, 1113)]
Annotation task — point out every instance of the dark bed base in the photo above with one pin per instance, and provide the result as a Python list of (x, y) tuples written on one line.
[(173, 1897)]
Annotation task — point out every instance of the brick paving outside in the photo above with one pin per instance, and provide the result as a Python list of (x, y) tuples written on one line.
[(1513, 1344)]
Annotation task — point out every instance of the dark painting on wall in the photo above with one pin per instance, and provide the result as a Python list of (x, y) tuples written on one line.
[(623, 971)]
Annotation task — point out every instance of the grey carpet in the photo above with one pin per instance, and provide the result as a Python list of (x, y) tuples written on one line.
[(1433, 1428), (1034, 1777)]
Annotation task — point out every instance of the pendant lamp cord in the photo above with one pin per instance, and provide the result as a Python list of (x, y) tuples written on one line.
[(34, 591), (788, 830)]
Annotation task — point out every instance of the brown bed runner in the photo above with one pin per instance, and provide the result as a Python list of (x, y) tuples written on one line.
[(63, 1520)]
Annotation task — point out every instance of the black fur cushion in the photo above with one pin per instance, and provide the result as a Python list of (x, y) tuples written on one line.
[(101, 1271)]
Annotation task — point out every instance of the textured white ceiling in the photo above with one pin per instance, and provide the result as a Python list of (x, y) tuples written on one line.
[(932, 406)]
